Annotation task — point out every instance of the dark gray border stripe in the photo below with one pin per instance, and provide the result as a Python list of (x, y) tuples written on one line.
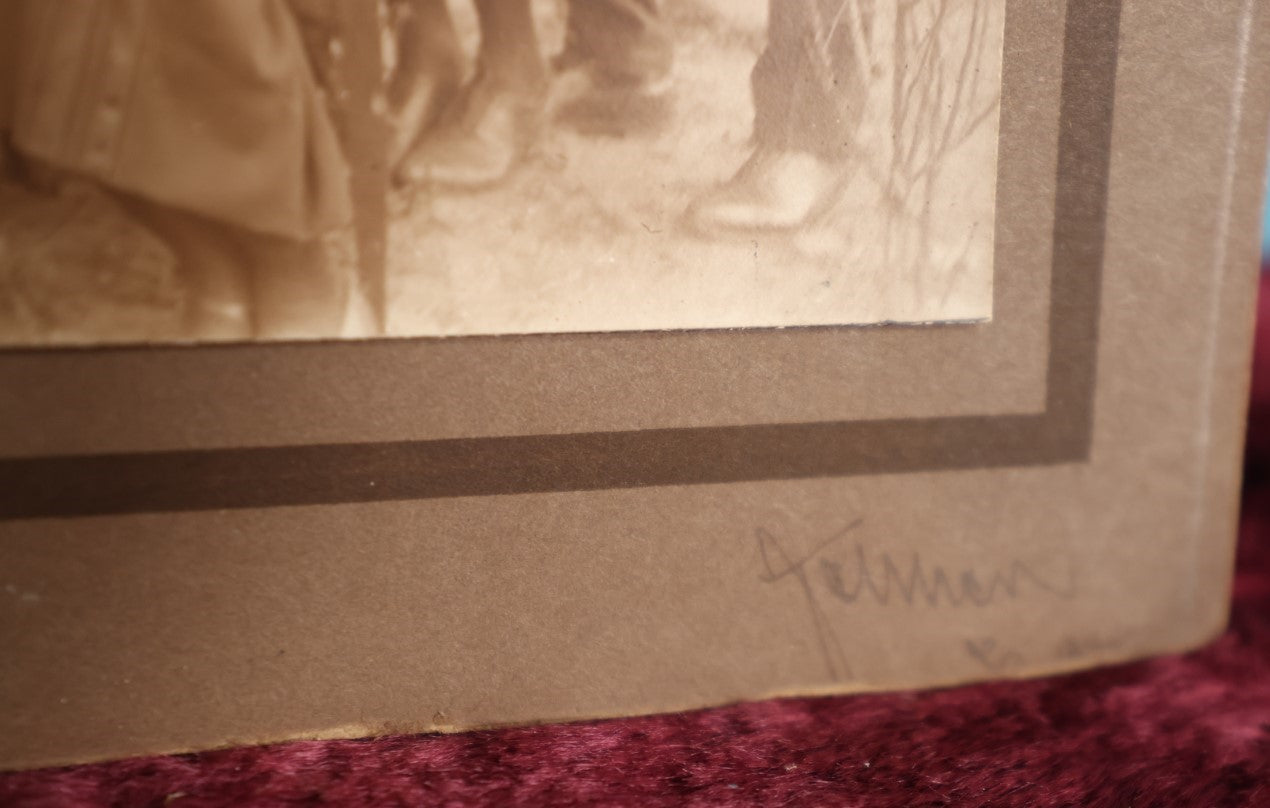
[(319, 474), (1090, 59)]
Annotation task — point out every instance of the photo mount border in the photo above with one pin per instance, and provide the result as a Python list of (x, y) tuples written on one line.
[(262, 477)]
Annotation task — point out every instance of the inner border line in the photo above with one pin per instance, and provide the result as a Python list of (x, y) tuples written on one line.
[(213, 479)]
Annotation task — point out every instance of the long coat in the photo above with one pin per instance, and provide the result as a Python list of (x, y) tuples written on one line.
[(208, 106)]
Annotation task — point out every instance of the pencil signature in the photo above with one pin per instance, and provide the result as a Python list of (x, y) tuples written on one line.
[(779, 565), (885, 582), (826, 578)]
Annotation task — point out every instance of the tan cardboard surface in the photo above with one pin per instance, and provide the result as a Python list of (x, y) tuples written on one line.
[(170, 631)]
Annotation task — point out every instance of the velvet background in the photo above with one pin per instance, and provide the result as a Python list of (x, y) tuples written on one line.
[(1175, 731)]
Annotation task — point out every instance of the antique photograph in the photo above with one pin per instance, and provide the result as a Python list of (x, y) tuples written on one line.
[(336, 169)]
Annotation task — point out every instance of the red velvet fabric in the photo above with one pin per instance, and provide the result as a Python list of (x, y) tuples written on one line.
[(1191, 730)]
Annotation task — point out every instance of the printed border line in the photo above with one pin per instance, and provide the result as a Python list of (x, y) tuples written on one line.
[(213, 479)]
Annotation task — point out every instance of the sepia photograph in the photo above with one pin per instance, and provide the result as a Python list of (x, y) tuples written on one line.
[(343, 169)]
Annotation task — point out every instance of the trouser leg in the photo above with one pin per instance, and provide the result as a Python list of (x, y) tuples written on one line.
[(242, 284), (211, 266), (491, 126), (807, 93), (426, 41), (628, 39), (427, 70), (9, 32), (509, 43), (808, 98), (297, 290), (9, 23)]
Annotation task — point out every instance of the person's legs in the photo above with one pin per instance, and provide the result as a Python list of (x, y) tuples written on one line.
[(9, 23), (625, 52), (217, 293), (621, 49), (807, 89), (493, 123), (427, 71), (808, 98), (240, 284), (626, 40), (510, 56), (297, 291)]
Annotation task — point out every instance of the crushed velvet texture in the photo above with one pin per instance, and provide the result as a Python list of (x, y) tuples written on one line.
[(1190, 730)]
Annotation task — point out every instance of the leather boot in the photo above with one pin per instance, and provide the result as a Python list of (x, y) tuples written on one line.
[(775, 189)]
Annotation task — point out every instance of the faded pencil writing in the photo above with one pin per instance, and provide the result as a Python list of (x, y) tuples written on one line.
[(885, 582), (828, 577)]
